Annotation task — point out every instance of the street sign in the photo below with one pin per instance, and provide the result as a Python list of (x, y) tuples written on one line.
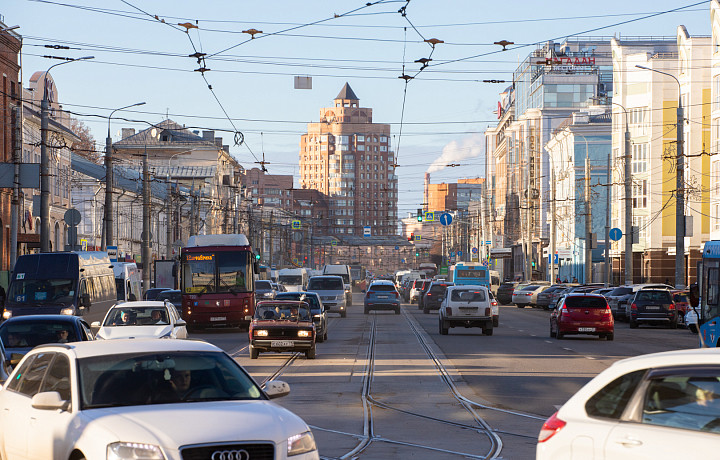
[(296, 225), (297, 236), (452, 254), (112, 252), (72, 217), (397, 247), (83, 244), (402, 261), (333, 243), (446, 218), (615, 234), (418, 237), (429, 216), (459, 253), (474, 250), (366, 231)]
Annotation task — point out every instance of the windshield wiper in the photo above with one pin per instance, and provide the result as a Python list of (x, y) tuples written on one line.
[(229, 287)]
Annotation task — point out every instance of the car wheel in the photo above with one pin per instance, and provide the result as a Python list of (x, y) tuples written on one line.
[(496, 321), (325, 336), (553, 334), (693, 328), (397, 311), (320, 339), (520, 305), (443, 329), (610, 336), (310, 354), (633, 324), (254, 353), (674, 325), (487, 331)]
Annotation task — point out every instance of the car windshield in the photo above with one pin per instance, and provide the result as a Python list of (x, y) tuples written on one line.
[(382, 287), (262, 285), (654, 296), (136, 316), (28, 334), (161, 378), (620, 291), (215, 272), (326, 284), (467, 295), (283, 312), (291, 280), (681, 298), (585, 302), (173, 297), (309, 299), (37, 292)]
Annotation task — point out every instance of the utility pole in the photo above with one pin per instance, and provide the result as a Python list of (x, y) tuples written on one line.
[(528, 213), (146, 223), (553, 223), (44, 173), (680, 201), (169, 233), (588, 223), (608, 196), (270, 230), (17, 159), (628, 206), (193, 214)]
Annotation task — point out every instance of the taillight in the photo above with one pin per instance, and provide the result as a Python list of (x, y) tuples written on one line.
[(448, 311), (493, 303), (671, 307), (397, 295), (633, 306), (550, 428), (564, 311)]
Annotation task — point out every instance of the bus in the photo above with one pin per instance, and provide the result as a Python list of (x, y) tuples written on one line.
[(217, 281), (67, 283), (471, 273), (429, 269), (709, 295)]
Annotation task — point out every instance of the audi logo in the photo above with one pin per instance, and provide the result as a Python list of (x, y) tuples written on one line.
[(230, 455)]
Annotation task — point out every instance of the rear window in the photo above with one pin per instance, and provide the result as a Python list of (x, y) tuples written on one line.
[(438, 288), (326, 284), (681, 298), (530, 288), (263, 285), (654, 296), (467, 295), (620, 291), (382, 287), (585, 302)]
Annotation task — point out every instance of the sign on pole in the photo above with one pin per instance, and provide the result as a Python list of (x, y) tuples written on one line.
[(615, 234), (367, 231), (446, 218), (429, 216), (296, 225), (112, 252)]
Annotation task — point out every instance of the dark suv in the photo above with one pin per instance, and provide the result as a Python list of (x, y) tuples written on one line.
[(617, 298), (505, 292), (653, 306), (434, 295)]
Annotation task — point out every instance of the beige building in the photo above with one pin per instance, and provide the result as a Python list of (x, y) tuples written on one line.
[(714, 160), (348, 158)]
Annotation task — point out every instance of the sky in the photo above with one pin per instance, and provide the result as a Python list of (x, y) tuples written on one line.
[(437, 118)]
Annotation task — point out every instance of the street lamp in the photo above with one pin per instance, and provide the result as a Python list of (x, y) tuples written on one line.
[(679, 185), (169, 204), (109, 182), (45, 161)]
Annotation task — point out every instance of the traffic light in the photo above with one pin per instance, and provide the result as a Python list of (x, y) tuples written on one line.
[(257, 256), (411, 237), (419, 215), (417, 253)]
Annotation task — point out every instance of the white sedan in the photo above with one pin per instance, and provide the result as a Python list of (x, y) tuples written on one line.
[(143, 318), (657, 406), (144, 399)]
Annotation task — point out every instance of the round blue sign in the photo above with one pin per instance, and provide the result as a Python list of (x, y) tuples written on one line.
[(446, 218), (474, 250), (615, 234)]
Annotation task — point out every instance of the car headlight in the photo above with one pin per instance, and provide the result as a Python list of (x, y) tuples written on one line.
[(67, 311), (134, 451), (267, 294), (340, 297), (301, 444), (7, 314), (304, 333), (261, 333)]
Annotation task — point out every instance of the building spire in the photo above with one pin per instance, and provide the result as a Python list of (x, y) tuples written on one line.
[(347, 93)]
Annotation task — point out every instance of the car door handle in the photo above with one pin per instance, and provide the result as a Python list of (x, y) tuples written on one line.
[(630, 442)]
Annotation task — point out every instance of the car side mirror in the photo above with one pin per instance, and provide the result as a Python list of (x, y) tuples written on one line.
[(276, 389), (49, 400), (15, 358), (180, 322), (95, 325)]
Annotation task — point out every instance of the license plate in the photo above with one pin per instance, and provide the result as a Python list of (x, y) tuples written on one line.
[(383, 297), (652, 307), (468, 308), (281, 343), (586, 329), (218, 318)]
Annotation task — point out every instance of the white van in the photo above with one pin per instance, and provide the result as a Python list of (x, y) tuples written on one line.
[(342, 271), (128, 281), (494, 281), (294, 279)]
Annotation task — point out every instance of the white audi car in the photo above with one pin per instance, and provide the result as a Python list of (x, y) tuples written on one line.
[(141, 319), (144, 399)]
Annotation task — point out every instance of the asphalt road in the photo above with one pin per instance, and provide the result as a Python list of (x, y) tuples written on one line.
[(389, 386)]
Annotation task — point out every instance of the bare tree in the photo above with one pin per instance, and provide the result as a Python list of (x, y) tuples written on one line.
[(86, 146)]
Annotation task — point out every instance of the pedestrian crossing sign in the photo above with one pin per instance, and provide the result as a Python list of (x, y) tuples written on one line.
[(295, 224), (429, 216)]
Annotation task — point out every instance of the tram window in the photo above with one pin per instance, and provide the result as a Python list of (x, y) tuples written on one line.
[(713, 286)]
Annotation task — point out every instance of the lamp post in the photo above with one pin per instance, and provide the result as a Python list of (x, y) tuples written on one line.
[(108, 218), (679, 186), (168, 236), (45, 161)]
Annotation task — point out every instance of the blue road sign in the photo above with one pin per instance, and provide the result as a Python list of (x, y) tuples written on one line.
[(446, 218), (459, 253), (295, 224), (474, 250), (452, 254), (615, 234), (366, 231), (429, 216), (397, 247)]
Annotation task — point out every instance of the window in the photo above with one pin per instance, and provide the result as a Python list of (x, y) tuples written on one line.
[(716, 92), (639, 158), (58, 377), (610, 402), (639, 194), (30, 381), (360, 138)]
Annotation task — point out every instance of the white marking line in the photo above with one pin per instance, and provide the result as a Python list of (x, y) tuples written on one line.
[(567, 349), (533, 335), (548, 341), (590, 357)]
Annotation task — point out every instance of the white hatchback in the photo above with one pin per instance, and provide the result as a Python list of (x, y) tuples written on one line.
[(657, 406), (144, 399), (466, 306), (143, 318)]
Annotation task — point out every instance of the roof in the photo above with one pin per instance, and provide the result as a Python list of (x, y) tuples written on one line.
[(347, 93), (123, 178), (177, 133), (185, 172)]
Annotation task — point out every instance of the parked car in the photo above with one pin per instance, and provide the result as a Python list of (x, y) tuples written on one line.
[(416, 289), (317, 309), (466, 306), (617, 298), (602, 291), (546, 297), (691, 320), (147, 319), (682, 303), (152, 293), (21, 334), (435, 295), (382, 295), (505, 291), (174, 296), (587, 314), (282, 325), (662, 405), (495, 309), (653, 306), (527, 295), (150, 399), (264, 290), (332, 292)]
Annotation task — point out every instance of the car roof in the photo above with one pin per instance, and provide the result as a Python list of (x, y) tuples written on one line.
[(297, 293), (280, 302), (386, 282), (326, 276), (36, 318), (136, 346), (673, 358), (140, 303), (584, 294), (466, 286)]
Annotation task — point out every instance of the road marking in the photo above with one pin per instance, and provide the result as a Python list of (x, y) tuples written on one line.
[(533, 335), (589, 357), (548, 341), (567, 349)]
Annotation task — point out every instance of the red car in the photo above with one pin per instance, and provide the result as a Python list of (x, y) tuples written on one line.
[(587, 314), (282, 325), (682, 303)]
